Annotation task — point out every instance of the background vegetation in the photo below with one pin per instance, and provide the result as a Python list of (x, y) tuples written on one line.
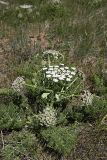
[(78, 30)]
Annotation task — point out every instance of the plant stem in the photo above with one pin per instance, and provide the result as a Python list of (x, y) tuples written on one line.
[(2, 139)]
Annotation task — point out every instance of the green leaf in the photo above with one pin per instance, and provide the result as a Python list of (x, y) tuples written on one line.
[(34, 80)]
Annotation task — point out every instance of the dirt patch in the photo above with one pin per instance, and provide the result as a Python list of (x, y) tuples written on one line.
[(92, 145), (6, 58)]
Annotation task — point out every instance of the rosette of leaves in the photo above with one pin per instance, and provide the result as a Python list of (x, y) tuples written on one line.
[(47, 117)]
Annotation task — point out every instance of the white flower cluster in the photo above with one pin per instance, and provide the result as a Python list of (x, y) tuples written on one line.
[(54, 53), (87, 97), (59, 73), (48, 117), (18, 84)]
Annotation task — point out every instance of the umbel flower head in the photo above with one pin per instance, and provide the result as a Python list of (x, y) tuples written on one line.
[(60, 72), (48, 53), (53, 52), (86, 97), (47, 117), (18, 84)]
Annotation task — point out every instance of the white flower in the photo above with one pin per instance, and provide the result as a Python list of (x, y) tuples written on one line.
[(55, 80), (67, 74), (58, 75), (68, 71), (50, 66), (70, 76), (56, 66), (73, 68), (62, 64), (55, 76), (48, 76), (58, 69), (73, 73), (50, 69), (48, 72), (66, 67), (62, 68), (61, 78), (44, 68), (68, 79), (25, 6), (64, 71), (53, 72)]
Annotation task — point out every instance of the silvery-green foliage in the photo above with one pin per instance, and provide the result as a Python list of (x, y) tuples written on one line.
[(18, 84), (47, 117)]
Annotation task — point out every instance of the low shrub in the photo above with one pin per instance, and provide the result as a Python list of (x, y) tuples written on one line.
[(97, 110), (7, 95), (87, 112), (99, 84), (19, 145), (11, 117), (60, 139)]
